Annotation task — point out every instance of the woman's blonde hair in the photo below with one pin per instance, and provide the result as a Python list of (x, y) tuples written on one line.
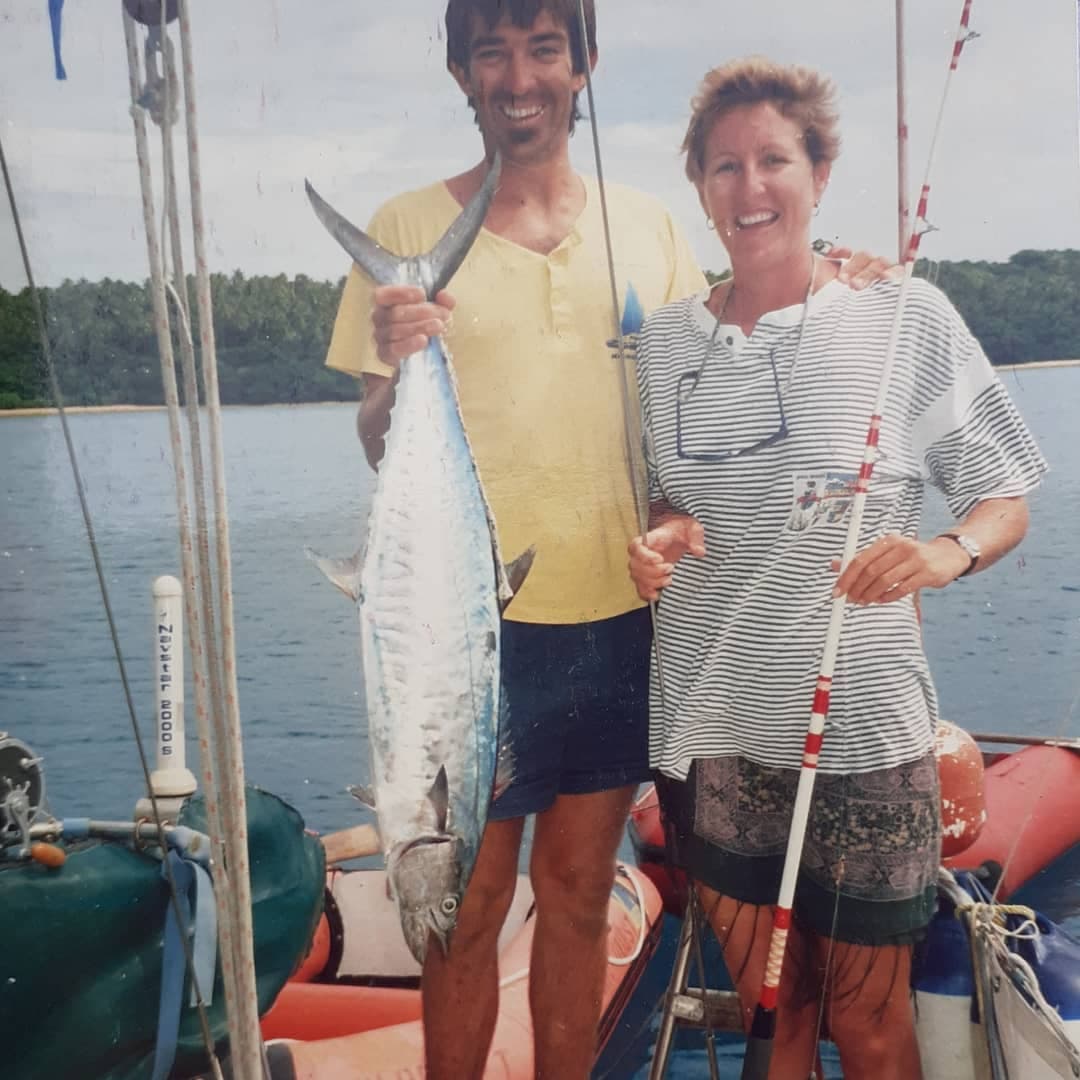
[(803, 96)]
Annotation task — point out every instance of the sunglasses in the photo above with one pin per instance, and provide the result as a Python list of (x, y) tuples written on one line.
[(685, 388)]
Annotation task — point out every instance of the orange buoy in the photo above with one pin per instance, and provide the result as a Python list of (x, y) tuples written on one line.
[(48, 855), (963, 800)]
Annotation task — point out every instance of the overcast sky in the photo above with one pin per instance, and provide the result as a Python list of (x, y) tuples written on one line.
[(361, 102)]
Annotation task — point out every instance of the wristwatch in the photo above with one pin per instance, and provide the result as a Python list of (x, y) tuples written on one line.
[(971, 549)]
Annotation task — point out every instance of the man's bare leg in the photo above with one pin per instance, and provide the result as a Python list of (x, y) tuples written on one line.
[(572, 869), (460, 991)]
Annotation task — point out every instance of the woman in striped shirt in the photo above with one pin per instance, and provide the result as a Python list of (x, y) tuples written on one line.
[(756, 396)]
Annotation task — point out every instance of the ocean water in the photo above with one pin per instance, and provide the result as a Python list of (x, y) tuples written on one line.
[(1004, 646)]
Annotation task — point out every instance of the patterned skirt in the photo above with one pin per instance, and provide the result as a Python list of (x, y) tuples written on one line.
[(872, 850)]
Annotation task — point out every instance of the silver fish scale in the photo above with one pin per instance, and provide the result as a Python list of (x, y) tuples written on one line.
[(429, 616)]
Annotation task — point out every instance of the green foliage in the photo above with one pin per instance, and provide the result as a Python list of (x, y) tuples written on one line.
[(272, 333), (271, 336), (22, 372), (1022, 310)]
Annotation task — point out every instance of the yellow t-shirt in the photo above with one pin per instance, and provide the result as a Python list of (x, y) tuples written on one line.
[(539, 388)]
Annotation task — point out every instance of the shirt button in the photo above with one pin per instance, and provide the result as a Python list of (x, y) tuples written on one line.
[(731, 340)]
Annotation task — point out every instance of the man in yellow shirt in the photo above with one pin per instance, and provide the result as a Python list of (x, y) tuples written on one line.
[(542, 403)]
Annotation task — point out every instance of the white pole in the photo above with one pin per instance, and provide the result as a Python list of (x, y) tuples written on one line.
[(171, 778)]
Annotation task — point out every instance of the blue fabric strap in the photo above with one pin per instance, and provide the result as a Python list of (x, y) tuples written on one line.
[(55, 8), (193, 887)]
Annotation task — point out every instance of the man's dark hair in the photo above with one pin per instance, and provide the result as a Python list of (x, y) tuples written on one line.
[(522, 13)]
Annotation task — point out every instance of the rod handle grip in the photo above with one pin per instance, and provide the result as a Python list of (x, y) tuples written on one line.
[(354, 843)]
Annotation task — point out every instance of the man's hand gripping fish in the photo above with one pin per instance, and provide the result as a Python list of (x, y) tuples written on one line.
[(429, 587)]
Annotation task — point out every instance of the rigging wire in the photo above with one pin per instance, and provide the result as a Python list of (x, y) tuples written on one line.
[(99, 571)]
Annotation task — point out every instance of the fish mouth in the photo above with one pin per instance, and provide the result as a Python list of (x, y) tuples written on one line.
[(419, 932), (443, 937)]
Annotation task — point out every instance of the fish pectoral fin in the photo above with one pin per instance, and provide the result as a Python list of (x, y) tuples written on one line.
[(516, 573), (439, 797), (505, 767), (344, 573), (362, 794)]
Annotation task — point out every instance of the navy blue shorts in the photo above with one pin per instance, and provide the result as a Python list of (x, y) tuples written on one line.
[(577, 718)]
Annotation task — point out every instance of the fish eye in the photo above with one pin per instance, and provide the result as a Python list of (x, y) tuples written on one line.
[(449, 905)]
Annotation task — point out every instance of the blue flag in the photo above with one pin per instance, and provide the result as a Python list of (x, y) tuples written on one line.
[(55, 8)]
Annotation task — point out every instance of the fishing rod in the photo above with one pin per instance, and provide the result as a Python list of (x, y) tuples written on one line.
[(627, 322), (759, 1042), (903, 209)]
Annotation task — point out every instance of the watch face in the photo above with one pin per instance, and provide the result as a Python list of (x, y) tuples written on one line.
[(969, 545)]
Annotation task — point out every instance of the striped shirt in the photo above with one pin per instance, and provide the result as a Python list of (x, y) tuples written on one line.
[(742, 631)]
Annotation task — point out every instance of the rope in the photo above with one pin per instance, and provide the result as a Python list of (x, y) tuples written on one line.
[(192, 612), (247, 1055), (989, 935), (218, 734)]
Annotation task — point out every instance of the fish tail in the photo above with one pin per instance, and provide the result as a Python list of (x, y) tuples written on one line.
[(432, 271)]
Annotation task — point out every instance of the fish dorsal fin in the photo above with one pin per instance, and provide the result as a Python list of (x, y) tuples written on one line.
[(516, 573), (344, 573), (432, 271), (439, 797), (363, 794)]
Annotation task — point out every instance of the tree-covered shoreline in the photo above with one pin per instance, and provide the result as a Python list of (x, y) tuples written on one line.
[(272, 332)]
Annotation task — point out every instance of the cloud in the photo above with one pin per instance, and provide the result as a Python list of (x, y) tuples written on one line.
[(359, 100)]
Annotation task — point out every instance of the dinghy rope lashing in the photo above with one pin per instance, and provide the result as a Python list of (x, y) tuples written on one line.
[(988, 937), (217, 711), (763, 1025), (175, 907)]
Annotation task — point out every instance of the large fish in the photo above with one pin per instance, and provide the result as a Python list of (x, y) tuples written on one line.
[(429, 585)]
